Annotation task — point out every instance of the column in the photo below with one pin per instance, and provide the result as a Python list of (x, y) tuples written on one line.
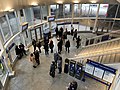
[(94, 28), (72, 13), (60, 15)]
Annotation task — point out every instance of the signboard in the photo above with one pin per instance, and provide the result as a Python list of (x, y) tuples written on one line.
[(108, 76), (98, 72), (51, 18), (89, 69)]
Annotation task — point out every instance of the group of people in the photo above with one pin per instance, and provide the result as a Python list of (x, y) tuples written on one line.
[(56, 64), (73, 85), (20, 50)]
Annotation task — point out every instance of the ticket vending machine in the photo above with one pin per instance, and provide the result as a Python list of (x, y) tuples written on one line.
[(78, 71), (72, 68)]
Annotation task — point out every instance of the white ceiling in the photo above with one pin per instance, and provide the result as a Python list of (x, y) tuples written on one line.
[(6, 5)]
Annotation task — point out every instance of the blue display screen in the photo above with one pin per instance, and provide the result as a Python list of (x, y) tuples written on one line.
[(51, 18)]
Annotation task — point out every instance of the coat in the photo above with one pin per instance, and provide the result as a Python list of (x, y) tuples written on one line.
[(67, 44), (32, 59)]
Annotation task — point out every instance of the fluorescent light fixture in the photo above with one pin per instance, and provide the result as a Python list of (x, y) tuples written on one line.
[(59, 2), (7, 9), (34, 3), (93, 1), (76, 1)]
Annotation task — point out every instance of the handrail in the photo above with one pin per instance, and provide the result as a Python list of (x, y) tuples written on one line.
[(111, 40)]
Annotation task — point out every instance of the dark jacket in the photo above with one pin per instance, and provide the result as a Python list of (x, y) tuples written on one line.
[(17, 50), (67, 44), (39, 44), (36, 53), (33, 42), (51, 45)]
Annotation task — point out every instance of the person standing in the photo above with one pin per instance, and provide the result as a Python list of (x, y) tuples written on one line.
[(51, 45), (39, 46), (34, 44), (72, 29), (78, 42), (32, 59), (22, 48), (36, 53), (67, 45), (17, 51), (52, 69)]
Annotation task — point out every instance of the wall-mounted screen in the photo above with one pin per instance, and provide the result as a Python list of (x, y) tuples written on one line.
[(51, 18), (25, 27)]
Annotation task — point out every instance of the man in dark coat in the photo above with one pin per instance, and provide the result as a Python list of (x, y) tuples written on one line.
[(60, 64), (36, 53), (56, 30), (22, 48), (75, 34), (52, 69), (78, 41), (60, 46), (46, 48), (34, 44), (17, 50), (67, 45), (51, 45)]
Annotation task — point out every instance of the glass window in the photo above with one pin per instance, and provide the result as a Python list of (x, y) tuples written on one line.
[(85, 10), (37, 14), (38, 33), (5, 27), (54, 10), (44, 10), (29, 16), (1, 36), (92, 10), (22, 18), (13, 22), (112, 8), (60, 11), (103, 10), (68, 10)]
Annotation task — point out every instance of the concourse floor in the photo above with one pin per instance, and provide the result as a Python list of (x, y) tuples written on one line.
[(29, 78)]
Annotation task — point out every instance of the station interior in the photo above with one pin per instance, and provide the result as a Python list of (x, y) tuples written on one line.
[(94, 63)]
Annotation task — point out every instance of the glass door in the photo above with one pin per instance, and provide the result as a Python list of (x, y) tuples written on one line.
[(38, 33), (33, 35)]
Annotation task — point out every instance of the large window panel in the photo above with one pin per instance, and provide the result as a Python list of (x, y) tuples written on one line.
[(13, 22), (68, 10), (44, 10), (54, 10), (5, 27), (37, 14), (112, 10), (29, 16), (103, 10)]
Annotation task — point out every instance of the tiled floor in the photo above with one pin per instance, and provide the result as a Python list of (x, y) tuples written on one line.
[(29, 78)]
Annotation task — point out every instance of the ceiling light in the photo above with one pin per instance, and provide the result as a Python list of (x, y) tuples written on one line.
[(59, 2), (76, 1), (11, 10), (7, 9), (93, 1), (34, 3)]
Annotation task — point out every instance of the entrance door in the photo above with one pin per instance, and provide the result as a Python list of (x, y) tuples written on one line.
[(33, 36)]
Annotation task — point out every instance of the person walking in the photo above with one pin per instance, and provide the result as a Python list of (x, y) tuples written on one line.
[(34, 44), (75, 34), (36, 53), (72, 30), (56, 30), (67, 45), (46, 48), (32, 59), (78, 42), (39, 46), (52, 69), (60, 46), (51, 45), (60, 64)]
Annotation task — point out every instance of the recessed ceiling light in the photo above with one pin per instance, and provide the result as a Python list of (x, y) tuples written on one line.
[(34, 3), (76, 1), (59, 2), (93, 1)]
